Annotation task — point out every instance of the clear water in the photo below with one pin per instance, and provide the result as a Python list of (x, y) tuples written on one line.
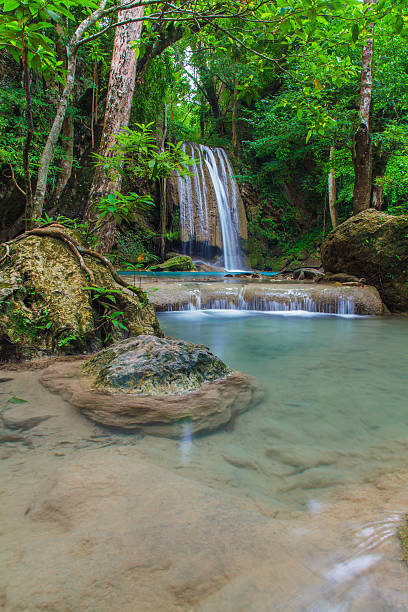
[(188, 275), (309, 508), (335, 407)]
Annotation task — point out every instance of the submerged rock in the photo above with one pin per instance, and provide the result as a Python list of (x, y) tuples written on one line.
[(160, 385), (151, 365), (372, 245), (181, 263), (45, 308)]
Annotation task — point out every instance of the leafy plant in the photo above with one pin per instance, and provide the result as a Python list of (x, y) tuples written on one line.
[(111, 317)]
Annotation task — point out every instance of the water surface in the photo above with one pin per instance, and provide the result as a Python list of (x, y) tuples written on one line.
[(335, 407)]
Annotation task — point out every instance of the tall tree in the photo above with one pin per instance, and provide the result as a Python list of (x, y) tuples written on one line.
[(332, 190), (362, 158), (121, 87)]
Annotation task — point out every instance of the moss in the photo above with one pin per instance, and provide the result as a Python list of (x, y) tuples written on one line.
[(403, 536), (181, 263), (45, 308), (372, 245)]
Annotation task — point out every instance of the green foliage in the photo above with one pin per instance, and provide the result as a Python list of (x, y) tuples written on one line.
[(133, 249), (13, 126), (136, 153), (22, 25), (110, 317), (121, 207)]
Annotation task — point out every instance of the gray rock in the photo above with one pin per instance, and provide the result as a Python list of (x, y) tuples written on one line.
[(372, 245), (160, 386), (307, 274), (155, 366)]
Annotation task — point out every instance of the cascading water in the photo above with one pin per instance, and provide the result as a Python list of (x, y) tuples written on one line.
[(289, 301), (211, 186)]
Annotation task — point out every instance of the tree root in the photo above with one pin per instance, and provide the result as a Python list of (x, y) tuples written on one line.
[(6, 246), (55, 230)]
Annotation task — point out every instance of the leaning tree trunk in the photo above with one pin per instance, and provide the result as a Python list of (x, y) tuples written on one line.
[(117, 114), (54, 133), (332, 190), (362, 157), (29, 137)]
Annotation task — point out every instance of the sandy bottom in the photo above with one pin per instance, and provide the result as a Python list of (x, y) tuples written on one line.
[(97, 520)]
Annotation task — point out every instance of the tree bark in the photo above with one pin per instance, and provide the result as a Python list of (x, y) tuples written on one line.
[(29, 213), (119, 98), (362, 157), (49, 147), (163, 193), (66, 163), (332, 190)]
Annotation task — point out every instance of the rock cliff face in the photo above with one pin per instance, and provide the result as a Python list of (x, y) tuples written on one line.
[(45, 308), (372, 245)]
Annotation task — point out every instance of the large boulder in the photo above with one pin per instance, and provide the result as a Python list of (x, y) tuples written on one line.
[(372, 245), (162, 386), (45, 308), (181, 263)]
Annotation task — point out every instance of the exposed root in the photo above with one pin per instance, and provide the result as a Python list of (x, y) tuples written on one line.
[(55, 230), (6, 246)]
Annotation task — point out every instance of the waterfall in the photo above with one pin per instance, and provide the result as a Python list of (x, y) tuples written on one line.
[(288, 301), (211, 210)]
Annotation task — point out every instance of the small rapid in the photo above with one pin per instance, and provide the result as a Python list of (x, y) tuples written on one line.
[(290, 301)]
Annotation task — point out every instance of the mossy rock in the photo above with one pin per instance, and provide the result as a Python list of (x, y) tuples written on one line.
[(372, 245), (181, 263), (154, 366), (46, 310), (403, 536), (161, 386)]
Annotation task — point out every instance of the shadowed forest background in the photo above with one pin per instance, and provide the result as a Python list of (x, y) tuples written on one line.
[(308, 98)]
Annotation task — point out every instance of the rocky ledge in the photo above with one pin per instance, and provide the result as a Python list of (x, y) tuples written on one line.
[(161, 386), (262, 296)]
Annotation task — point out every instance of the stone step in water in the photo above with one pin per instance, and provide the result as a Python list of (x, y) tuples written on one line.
[(328, 299)]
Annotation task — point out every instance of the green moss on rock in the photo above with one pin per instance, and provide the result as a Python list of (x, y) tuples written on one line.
[(181, 263), (373, 245), (154, 366), (46, 310), (403, 536)]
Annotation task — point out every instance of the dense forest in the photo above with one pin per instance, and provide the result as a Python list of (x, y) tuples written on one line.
[(308, 98)]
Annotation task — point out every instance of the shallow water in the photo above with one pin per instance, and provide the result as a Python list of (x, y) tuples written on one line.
[(301, 502), (335, 407)]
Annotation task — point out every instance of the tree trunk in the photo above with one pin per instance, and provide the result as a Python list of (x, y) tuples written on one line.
[(117, 114), (66, 163), (362, 157), (163, 193), (49, 147), (332, 190), (29, 213)]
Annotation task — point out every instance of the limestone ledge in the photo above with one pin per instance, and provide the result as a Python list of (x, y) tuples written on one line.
[(330, 299)]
